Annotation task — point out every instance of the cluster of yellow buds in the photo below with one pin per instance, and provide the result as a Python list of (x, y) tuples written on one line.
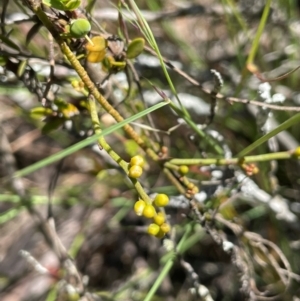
[(159, 227), (136, 166)]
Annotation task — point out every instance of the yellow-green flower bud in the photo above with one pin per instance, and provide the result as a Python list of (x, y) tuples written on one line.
[(139, 207), (159, 218), (183, 169), (153, 229), (137, 160), (149, 211), (165, 228), (135, 171), (161, 200)]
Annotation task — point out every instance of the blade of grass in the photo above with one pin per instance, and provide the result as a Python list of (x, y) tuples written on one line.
[(168, 265), (182, 112), (236, 14), (10, 214), (259, 32), (255, 44), (16, 199), (233, 29), (288, 123), (70, 150), (145, 28), (186, 48)]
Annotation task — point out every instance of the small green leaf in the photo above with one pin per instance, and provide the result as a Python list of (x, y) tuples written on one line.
[(52, 124), (135, 48), (60, 103), (10, 214), (63, 4), (21, 68), (9, 42), (40, 112), (32, 32)]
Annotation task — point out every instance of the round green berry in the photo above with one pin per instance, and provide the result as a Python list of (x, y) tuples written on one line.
[(153, 229), (79, 28), (139, 207), (137, 160), (149, 211), (159, 218), (161, 200), (135, 171)]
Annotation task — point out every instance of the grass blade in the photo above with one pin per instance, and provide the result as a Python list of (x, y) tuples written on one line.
[(72, 149)]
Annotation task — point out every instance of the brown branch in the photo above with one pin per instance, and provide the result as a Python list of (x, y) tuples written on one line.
[(221, 96)]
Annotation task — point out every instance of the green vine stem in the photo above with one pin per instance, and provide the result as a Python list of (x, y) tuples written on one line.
[(102, 101), (173, 180), (255, 43), (36, 8), (182, 112), (248, 159), (83, 143), (102, 142)]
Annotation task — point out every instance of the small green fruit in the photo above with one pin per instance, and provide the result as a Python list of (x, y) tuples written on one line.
[(80, 28), (40, 112)]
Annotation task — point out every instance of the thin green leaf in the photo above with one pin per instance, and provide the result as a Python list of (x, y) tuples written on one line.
[(288, 123), (10, 214), (168, 265), (32, 32), (9, 42), (72, 149)]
